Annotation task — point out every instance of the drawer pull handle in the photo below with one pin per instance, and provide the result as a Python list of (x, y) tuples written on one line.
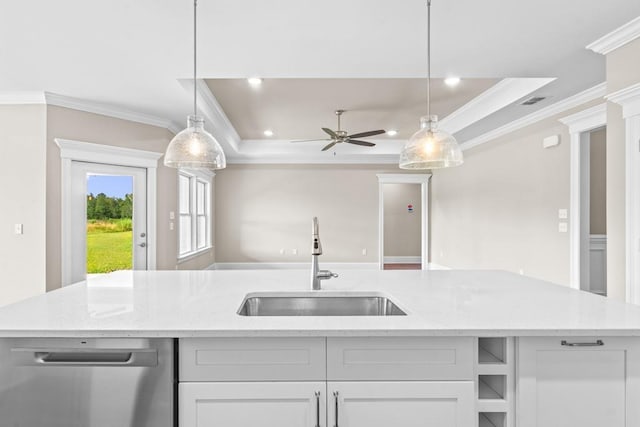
[(336, 397), (317, 409), (582, 344)]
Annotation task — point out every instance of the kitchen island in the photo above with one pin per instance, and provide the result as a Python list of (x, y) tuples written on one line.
[(473, 347)]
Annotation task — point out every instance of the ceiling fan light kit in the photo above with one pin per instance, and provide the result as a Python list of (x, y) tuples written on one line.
[(194, 147), (430, 147)]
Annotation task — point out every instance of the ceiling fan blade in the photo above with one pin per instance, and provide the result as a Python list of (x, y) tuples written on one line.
[(366, 134), (310, 140), (329, 145), (365, 143), (331, 133)]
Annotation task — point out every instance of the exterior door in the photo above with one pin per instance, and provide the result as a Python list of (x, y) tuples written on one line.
[(80, 173), (406, 404), (266, 404)]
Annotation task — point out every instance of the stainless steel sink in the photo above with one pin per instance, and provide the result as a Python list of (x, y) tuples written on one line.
[(318, 303)]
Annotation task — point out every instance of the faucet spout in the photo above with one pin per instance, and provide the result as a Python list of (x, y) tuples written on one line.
[(317, 275)]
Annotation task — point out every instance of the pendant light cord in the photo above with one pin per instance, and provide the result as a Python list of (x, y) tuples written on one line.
[(429, 59), (195, 25)]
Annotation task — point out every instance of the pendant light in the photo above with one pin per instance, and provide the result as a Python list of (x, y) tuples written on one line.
[(430, 147), (194, 147)]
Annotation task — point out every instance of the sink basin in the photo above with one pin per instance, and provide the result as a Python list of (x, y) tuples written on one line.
[(318, 303)]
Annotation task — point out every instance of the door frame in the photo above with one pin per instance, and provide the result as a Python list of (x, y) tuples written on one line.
[(580, 125), (111, 155), (629, 99), (397, 178)]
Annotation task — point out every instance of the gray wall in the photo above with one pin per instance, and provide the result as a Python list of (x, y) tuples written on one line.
[(499, 210), (598, 182), (261, 209)]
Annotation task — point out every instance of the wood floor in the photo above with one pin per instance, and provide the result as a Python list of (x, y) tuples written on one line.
[(402, 266)]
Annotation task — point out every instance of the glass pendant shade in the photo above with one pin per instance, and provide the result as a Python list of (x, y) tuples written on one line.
[(430, 148), (195, 148)]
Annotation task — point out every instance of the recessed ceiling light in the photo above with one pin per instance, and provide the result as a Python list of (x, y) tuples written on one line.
[(268, 132), (392, 132), (254, 81), (452, 81)]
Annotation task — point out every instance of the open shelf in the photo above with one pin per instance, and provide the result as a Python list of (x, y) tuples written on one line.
[(492, 387), (492, 419), (492, 351)]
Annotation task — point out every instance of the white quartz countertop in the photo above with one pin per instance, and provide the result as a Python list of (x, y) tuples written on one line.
[(204, 303)]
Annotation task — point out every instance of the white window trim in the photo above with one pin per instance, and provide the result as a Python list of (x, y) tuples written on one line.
[(207, 177), (107, 154)]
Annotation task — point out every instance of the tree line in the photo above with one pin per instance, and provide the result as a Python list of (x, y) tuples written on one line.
[(103, 207)]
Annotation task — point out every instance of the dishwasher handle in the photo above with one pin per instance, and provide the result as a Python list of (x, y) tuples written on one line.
[(84, 357)]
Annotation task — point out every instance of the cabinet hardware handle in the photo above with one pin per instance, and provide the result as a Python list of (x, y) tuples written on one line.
[(317, 409), (582, 344), (336, 397)]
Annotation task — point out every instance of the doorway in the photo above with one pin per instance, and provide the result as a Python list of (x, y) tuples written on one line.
[(108, 219), (398, 207), (401, 228)]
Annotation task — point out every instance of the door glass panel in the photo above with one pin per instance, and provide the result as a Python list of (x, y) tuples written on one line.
[(109, 207), (184, 194), (202, 232), (201, 198)]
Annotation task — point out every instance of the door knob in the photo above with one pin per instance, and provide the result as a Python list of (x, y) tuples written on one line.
[(143, 245), (143, 234)]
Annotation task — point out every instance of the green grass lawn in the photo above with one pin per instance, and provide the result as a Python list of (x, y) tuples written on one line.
[(108, 252)]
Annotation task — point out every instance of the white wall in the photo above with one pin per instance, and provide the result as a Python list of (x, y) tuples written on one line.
[(23, 154), (261, 209)]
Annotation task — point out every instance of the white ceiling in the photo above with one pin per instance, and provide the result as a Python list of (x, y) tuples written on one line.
[(133, 55)]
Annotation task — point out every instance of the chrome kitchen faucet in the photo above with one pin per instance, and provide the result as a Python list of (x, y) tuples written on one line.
[(316, 250)]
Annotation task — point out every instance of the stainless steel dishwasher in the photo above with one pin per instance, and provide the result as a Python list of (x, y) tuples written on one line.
[(60, 382)]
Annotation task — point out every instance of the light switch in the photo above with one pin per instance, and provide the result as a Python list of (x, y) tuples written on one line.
[(563, 227), (172, 215), (563, 214), (17, 228)]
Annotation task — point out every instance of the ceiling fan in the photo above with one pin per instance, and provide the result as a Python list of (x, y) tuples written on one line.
[(339, 136)]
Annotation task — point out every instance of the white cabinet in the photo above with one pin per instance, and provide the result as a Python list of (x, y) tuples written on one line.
[(245, 404), (406, 404), (586, 382)]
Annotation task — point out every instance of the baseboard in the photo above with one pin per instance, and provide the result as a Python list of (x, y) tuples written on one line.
[(292, 265), (402, 260)]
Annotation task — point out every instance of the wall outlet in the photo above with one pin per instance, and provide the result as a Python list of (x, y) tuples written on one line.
[(563, 214), (172, 215), (294, 251), (521, 272), (563, 227), (17, 229), (364, 251), (282, 251), (171, 226)]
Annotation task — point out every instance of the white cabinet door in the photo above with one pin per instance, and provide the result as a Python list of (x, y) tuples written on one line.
[(246, 404), (586, 382), (406, 404)]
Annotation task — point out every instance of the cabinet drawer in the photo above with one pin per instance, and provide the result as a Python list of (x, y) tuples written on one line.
[(252, 359), (391, 358)]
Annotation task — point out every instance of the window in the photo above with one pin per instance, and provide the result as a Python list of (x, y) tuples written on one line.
[(194, 193)]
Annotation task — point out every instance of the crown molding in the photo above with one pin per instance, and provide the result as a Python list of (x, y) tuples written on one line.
[(22, 98), (616, 38), (628, 98), (209, 107), (595, 92), (498, 96), (105, 110), (314, 159), (48, 98), (586, 120)]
